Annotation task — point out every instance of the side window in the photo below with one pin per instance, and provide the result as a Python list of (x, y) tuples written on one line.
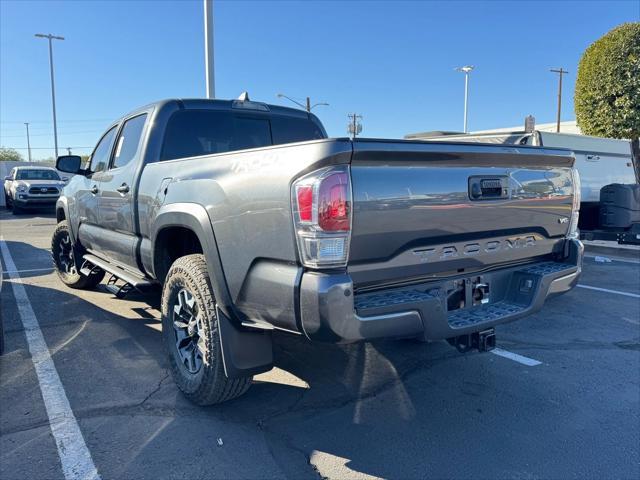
[(100, 157), (128, 141), (13, 174)]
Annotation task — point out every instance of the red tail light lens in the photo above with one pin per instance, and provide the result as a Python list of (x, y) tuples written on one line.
[(333, 203), (305, 202)]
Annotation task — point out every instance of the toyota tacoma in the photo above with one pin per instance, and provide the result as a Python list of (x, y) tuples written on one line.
[(252, 220)]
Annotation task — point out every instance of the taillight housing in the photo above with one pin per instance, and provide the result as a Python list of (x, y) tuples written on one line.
[(322, 213), (573, 231)]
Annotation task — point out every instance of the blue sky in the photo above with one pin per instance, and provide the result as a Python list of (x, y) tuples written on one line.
[(392, 62)]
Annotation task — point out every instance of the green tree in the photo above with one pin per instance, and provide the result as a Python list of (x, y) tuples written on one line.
[(607, 93), (9, 155)]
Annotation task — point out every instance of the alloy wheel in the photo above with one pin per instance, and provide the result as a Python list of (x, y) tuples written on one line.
[(66, 262), (189, 331)]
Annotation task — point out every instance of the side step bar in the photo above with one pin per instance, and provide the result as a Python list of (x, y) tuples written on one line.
[(130, 280)]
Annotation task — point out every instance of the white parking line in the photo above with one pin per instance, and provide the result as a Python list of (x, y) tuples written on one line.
[(73, 452), (8, 272), (529, 362), (626, 294), (615, 259)]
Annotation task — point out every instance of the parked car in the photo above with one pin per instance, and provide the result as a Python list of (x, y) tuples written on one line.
[(32, 187), (252, 220)]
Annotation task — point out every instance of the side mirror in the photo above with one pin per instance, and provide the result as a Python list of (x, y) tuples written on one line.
[(69, 164), (8, 177), (65, 179)]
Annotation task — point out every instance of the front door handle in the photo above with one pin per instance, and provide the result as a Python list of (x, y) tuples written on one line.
[(94, 189), (124, 188)]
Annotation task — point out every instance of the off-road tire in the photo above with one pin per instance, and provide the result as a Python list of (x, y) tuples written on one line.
[(16, 210), (209, 385), (7, 201), (71, 277)]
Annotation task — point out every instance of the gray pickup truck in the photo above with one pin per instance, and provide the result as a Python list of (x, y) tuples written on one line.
[(252, 220)]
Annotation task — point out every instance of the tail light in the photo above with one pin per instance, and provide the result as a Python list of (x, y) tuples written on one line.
[(322, 217), (573, 231)]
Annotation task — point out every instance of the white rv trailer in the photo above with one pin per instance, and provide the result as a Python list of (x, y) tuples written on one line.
[(600, 161)]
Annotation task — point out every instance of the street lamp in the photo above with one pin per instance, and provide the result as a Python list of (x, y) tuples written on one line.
[(308, 107), (466, 70), (53, 91), (28, 140)]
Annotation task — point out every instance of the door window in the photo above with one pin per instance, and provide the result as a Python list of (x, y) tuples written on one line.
[(100, 157), (129, 141)]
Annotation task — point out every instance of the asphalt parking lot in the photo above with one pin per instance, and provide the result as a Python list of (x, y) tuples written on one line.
[(567, 405)]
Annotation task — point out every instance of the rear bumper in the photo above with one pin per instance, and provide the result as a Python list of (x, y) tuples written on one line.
[(331, 312)]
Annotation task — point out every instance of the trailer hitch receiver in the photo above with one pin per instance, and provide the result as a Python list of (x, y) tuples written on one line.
[(483, 341)]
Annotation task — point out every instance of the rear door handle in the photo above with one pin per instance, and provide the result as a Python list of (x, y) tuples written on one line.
[(124, 188), (94, 189)]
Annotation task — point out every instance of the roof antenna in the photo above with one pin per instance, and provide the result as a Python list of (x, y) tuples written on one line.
[(244, 97)]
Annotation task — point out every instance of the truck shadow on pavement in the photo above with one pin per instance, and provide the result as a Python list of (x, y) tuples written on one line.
[(112, 364), (388, 409)]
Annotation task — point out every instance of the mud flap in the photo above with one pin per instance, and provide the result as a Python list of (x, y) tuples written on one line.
[(244, 353)]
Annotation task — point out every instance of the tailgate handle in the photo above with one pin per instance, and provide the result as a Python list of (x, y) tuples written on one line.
[(488, 188)]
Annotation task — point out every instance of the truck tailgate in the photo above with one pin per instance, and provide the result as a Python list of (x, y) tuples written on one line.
[(425, 210)]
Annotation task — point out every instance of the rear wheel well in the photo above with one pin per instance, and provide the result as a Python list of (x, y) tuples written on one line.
[(171, 244)]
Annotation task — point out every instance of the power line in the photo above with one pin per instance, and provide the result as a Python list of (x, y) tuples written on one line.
[(47, 134), (36, 148), (62, 121)]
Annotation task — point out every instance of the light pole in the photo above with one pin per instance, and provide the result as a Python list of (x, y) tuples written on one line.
[(208, 49), (308, 107), (466, 70), (28, 141), (53, 90), (560, 71)]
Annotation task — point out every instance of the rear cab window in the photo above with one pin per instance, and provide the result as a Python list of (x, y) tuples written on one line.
[(194, 132)]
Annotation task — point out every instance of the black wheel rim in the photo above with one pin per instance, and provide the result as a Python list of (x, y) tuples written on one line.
[(66, 263), (189, 332)]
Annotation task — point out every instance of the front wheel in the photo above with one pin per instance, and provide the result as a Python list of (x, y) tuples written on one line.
[(191, 335), (65, 262)]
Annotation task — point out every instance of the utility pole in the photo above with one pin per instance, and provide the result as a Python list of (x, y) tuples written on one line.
[(28, 141), (354, 127), (466, 70), (208, 49), (560, 72), (53, 90)]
